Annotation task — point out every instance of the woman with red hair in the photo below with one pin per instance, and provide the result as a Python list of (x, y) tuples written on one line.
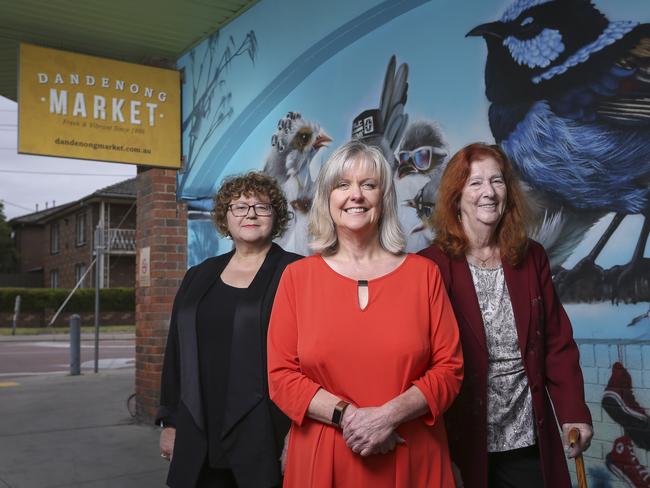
[(521, 363)]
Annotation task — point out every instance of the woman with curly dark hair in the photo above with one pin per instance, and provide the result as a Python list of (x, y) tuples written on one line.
[(522, 376), (219, 428)]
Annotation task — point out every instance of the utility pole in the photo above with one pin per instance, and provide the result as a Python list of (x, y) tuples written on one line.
[(99, 267)]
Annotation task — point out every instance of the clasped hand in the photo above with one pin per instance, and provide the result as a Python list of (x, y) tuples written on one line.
[(586, 433), (369, 430)]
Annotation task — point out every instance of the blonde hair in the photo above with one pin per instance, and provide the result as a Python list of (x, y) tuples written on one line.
[(321, 226)]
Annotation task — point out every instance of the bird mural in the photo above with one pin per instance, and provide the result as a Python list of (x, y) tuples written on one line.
[(424, 204), (422, 149), (291, 161), (421, 159), (414, 150), (383, 127), (570, 105)]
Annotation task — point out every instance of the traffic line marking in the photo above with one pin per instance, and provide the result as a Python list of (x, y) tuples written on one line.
[(7, 384)]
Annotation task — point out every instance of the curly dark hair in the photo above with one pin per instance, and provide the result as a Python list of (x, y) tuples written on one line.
[(251, 183)]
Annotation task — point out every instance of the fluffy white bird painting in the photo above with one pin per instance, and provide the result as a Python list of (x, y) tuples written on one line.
[(292, 162)]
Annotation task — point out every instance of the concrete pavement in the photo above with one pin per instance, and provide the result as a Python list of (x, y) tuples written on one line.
[(75, 431)]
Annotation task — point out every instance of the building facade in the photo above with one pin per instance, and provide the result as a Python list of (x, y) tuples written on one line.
[(59, 242)]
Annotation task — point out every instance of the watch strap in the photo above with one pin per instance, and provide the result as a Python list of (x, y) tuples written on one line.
[(337, 414)]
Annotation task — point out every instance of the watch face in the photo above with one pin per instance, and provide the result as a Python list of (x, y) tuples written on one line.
[(337, 414)]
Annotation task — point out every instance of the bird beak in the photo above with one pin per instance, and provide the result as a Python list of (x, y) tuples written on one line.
[(321, 140), (491, 29), (405, 169)]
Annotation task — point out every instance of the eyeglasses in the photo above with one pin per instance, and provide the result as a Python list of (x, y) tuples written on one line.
[(259, 209), (420, 157)]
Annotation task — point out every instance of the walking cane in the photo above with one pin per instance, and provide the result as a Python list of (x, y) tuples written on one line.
[(574, 435)]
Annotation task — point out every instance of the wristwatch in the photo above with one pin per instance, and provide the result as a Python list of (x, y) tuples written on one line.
[(337, 414)]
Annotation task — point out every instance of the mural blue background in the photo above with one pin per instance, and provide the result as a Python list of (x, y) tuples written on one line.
[(327, 62)]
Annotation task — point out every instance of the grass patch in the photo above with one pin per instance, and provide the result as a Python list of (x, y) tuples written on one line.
[(6, 331)]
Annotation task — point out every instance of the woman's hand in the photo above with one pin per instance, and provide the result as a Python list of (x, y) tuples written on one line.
[(586, 433), (457, 476), (167, 438), (389, 444), (285, 451), (369, 430)]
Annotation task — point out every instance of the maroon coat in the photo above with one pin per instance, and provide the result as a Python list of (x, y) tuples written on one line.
[(549, 354)]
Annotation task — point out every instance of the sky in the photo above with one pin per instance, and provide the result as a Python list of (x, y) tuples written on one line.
[(27, 181)]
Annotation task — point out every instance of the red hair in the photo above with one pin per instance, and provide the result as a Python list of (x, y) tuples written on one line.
[(511, 235)]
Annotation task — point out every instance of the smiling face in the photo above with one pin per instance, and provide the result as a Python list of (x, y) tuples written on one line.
[(483, 199), (356, 201), (252, 228)]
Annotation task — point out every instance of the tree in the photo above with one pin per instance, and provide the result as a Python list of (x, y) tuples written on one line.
[(7, 248)]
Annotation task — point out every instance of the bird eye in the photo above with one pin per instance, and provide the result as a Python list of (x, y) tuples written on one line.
[(304, 138), (527, 21)]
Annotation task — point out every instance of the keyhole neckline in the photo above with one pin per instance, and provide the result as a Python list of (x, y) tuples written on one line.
[(407, 257)]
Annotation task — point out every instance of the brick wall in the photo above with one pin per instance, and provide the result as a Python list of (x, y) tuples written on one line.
[(597, 358), (161, 226), (122, 271), (31, 245), (70, 252), (123, 214)]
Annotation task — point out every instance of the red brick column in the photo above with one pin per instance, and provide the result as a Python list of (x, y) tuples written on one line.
[(161, 226)]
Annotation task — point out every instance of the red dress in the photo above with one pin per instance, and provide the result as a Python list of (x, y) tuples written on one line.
[(407, 335)]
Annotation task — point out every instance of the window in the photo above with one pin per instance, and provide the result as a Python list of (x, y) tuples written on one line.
[(54, 238), (79, 270), (54, 278), (80, 229)]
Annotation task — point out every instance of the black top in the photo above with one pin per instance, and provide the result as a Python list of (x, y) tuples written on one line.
[(214, 319), (253, 427)]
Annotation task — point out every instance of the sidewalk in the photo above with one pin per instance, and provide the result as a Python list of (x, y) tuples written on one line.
[(76, 431)]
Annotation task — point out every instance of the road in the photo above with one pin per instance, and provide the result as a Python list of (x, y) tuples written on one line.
[(37, 357)]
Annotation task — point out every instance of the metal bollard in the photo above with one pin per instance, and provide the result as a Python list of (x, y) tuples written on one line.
[(75, 345), (16, 314)]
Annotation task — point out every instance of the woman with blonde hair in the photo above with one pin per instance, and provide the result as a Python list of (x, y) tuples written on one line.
[(363, 345)]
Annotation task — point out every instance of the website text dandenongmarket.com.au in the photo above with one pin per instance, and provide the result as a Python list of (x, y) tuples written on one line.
[(107, 147)]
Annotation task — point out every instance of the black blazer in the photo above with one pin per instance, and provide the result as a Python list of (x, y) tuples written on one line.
[(254, 428)]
